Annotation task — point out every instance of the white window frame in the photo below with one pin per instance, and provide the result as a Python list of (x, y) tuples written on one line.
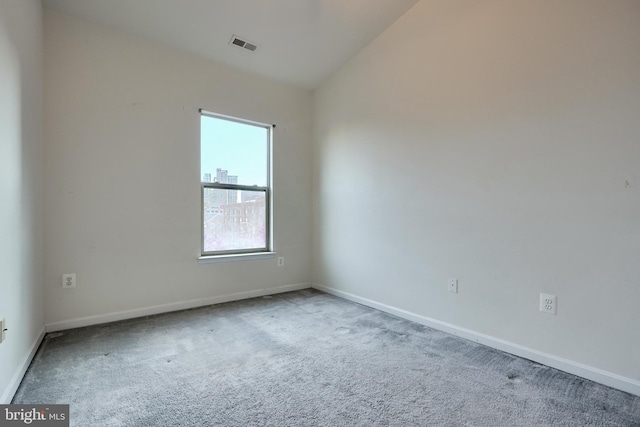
[(249, 253)]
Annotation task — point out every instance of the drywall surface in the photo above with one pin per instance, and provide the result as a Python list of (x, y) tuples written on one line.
[(21, 260), (498, 143), (122, 131)]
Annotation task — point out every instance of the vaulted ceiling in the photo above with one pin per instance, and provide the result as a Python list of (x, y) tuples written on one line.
[(300, 42)]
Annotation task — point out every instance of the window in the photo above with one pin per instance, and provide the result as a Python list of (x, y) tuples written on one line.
[(235, 157)]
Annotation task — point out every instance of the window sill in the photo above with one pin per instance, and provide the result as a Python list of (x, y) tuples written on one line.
[(211, 259)]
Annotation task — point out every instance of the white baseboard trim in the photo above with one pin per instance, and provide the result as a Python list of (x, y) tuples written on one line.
[(594, 374), (165, 308), (8, 394)]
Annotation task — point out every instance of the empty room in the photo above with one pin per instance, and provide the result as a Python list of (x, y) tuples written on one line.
[(320, 212)]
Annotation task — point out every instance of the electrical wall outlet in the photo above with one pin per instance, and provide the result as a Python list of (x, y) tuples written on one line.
[(280, 261), (548, 303), (69, 280), (3, 329), (453, 286)]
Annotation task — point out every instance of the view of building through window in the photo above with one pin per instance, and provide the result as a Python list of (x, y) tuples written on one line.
[(235, 185)]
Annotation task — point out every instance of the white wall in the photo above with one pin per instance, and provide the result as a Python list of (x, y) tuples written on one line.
[(122, 163), (497, 142), (21, 259)]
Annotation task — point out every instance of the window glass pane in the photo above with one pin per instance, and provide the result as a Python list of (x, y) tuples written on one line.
[(234, 220), (232, 152)]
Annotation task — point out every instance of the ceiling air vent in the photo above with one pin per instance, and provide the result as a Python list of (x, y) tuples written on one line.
[(244, 44)]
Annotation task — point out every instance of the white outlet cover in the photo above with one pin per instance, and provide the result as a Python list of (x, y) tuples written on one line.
[(281, 261), (69, 280), (548, 303), (453, 286), (3, 326)]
